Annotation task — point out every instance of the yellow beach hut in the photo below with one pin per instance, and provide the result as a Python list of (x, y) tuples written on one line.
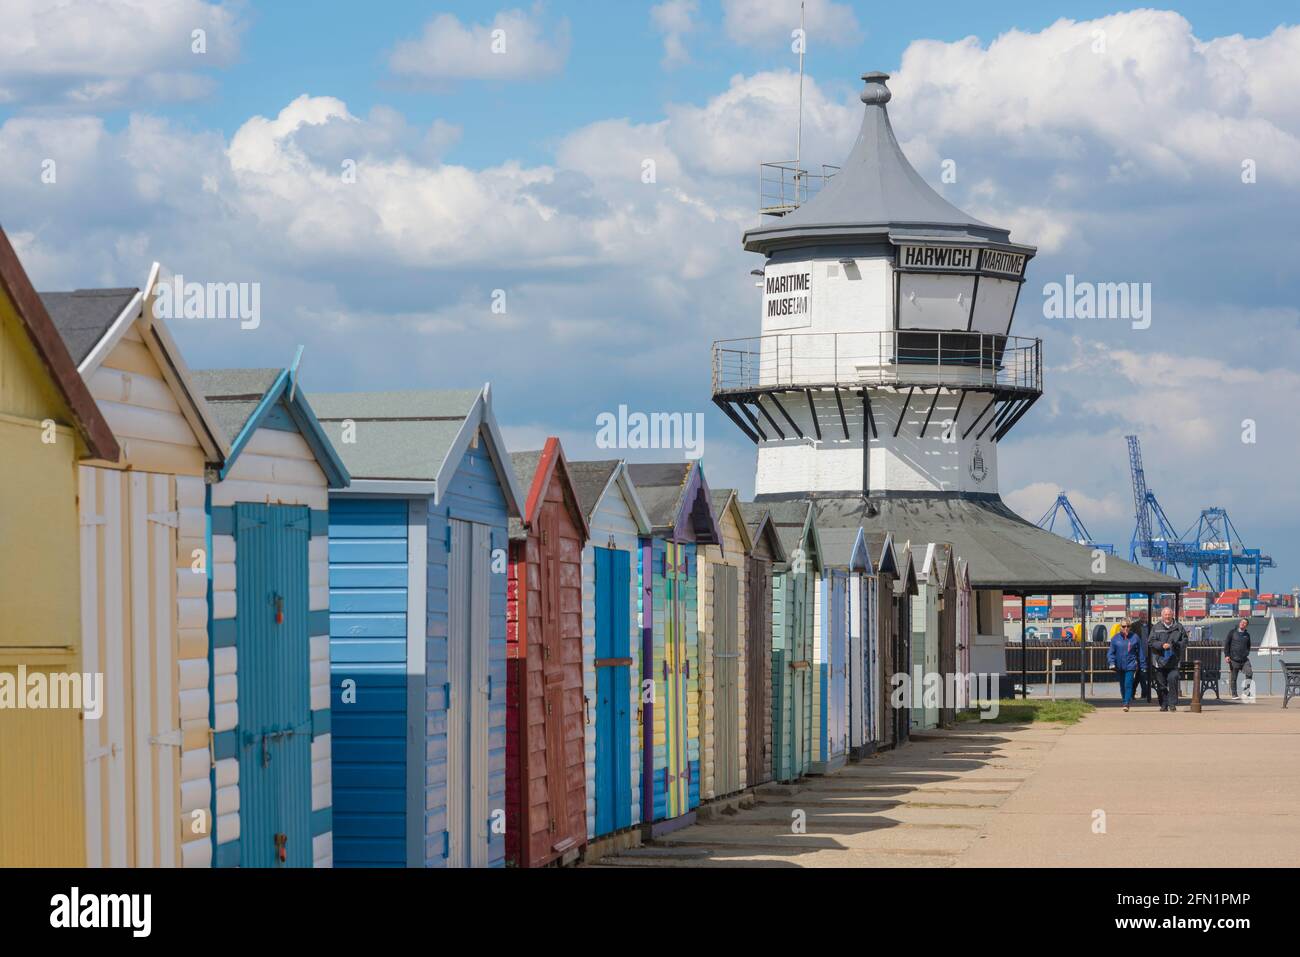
[(48, 423)]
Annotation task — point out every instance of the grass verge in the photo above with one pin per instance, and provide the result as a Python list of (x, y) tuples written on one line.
[(1027, 711)]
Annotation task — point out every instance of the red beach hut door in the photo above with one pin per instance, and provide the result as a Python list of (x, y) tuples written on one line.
[(553, 678)]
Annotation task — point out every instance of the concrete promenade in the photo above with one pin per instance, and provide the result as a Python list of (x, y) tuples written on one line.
[(1174, 789)]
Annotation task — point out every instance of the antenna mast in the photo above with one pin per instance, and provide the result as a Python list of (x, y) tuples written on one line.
[(798, 143)]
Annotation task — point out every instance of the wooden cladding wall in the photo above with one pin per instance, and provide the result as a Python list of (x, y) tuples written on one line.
[(546, 804), (722, 630), (758, 657)]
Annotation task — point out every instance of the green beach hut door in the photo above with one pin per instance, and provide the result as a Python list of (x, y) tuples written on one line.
[(801, 675), (274, 685), (726, 680), (468, 691)]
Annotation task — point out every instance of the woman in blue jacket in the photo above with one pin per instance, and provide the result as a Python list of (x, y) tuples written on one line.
[(1125, 656)]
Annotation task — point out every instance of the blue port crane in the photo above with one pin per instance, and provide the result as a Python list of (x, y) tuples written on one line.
[(1078, 531), (1221, 556), (1211, 549)]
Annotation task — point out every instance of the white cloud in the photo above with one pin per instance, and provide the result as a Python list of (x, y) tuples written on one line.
[(765, 22), (101, 54), (1158, 103), (1033, 500), (754, 120), (675, 19), (514, 45)]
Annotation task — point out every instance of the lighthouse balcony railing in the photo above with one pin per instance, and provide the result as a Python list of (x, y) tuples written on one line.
[(784, 187), (902, 358)]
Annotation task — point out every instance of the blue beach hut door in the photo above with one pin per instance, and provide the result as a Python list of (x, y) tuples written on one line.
[(838, 638), (274, 685), (468, 692), (613, 690)]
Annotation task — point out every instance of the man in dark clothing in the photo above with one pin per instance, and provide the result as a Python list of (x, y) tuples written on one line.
[(1165, 648), (1236, 651)]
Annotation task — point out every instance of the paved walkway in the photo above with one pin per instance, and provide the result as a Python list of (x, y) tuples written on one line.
[(1180, 789)]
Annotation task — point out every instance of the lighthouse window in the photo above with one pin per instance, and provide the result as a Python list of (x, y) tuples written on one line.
[(932, 301), (949, 348), (993, 305)]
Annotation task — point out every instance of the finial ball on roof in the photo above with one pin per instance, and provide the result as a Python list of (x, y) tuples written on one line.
[(876, 91)]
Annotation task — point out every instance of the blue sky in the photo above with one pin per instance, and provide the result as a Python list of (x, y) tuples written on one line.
[(522, 173)]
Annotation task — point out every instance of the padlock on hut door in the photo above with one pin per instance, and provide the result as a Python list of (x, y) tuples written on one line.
[(277, 602), (282, 848)]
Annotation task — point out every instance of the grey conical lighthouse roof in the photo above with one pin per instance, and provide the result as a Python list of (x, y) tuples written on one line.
[(876, 194)]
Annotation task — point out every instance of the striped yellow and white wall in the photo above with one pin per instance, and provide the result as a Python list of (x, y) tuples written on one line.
[(144, 622), (731, 553)]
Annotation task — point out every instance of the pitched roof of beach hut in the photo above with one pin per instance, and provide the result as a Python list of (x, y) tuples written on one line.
[(241, 400), (676, 498), (593, 480), (92, 322), (48, 345), (413, 440), (534, 471), (759, 519)]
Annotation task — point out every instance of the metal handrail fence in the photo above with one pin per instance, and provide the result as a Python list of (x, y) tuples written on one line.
[(1038, 656), (890, 357)]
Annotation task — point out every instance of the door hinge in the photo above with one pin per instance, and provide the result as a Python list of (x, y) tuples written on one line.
[(446, 690), (548, 709), (105, 752), (446, 844), (169, 739), (170, 519), (446, 540), (88, 520)]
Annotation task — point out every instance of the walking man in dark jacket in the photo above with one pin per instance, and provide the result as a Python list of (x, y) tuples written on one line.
[(1165, 646), (1236, 651)]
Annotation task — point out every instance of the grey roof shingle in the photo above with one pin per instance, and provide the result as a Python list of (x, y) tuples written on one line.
[(84, 316), (400, 435), (718, 500), (233, 395), (1004, 550), (661, 486), (589, 480), (789, 518), (837, 546), (753, 513), (875, 189), (524, 465)]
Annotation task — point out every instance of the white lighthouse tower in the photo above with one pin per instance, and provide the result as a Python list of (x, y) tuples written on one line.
[(884, 365)]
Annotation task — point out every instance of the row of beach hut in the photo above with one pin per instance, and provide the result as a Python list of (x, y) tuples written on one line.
[(353, 629)]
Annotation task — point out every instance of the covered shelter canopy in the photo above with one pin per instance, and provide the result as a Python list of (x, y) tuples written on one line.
[(1005, 551)]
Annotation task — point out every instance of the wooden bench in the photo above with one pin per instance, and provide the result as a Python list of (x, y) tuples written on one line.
[(1292, 671), (1211, 675)]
